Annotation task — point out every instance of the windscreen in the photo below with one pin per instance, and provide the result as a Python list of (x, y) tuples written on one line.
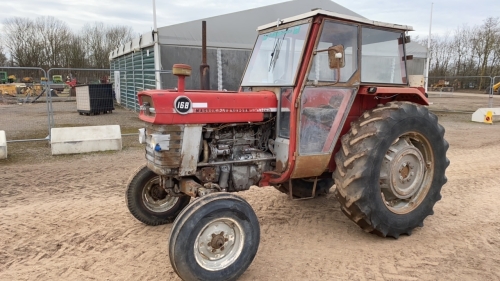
[(276, 57)]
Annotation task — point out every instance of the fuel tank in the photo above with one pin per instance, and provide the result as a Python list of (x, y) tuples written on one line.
[(204, 107)]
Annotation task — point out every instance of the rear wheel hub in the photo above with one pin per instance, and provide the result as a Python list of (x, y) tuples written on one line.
[(404, 176)]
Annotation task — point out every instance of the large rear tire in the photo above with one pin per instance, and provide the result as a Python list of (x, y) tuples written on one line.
[(391, 168), (149, 203), (214, 238)]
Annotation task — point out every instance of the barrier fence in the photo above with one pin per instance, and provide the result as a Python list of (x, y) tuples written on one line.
[(35, 100), (482, 85), (21, 87), (69, 97)]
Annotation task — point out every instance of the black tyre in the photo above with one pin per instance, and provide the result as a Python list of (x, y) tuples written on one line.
[(302, 188), (148, 202), (214, 238), (391, 168)]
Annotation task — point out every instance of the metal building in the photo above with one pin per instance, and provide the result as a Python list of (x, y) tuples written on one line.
[(230, 39)]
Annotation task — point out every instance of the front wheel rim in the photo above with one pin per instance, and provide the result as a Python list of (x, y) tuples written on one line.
[(219, 244), (155, 197), (406, 173)]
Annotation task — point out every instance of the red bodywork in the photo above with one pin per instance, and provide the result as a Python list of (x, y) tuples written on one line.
[(209, 107), (234, 107)]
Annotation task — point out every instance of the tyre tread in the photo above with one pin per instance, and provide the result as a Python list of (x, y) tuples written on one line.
[(353, 161)]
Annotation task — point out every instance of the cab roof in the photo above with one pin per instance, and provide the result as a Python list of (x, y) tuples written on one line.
[(338, 16)]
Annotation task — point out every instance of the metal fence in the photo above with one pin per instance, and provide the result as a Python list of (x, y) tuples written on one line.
[(29, 108), (481, 85), (24, 109), (39, 100)]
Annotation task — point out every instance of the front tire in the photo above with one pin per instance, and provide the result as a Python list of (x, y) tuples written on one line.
[(149, 203), (391, 168), (214, 238)]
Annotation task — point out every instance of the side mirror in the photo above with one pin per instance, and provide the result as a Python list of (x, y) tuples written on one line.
[(336, 56)]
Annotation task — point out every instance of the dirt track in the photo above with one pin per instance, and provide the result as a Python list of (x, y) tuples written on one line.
[(64, 218)]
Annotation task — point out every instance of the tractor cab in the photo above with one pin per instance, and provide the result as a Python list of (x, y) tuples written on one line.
[(316, 64)]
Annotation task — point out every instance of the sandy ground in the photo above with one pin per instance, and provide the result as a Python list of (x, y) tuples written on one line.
[(64, 218)]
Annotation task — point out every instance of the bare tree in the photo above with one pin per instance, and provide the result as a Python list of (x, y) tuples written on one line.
[(3, 57), (48, 42), (74, 54), (56, 35), (101, 40), (469, 51), (23, 42), (484, 43)]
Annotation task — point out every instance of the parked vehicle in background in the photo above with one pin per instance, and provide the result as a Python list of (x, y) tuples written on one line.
[(3, 77), (496, 89)]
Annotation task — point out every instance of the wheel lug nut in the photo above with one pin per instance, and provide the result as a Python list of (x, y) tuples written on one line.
[(226, 239), (222, 248)]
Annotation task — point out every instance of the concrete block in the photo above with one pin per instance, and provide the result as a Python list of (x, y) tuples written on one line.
[(85, 139), (481, 114), (3, 145)]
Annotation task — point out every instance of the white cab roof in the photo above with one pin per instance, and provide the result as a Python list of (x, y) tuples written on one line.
[(339, 16)]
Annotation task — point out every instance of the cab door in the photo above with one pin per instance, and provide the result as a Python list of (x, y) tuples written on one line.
[(330, 88)]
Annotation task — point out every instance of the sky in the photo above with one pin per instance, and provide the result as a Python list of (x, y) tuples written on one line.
[(448, 15)]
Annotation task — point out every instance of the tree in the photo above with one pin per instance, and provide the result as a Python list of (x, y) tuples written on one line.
[(101, 40), (469, 51), (23, 42), (56, 35), (48, 42), (3, 58)]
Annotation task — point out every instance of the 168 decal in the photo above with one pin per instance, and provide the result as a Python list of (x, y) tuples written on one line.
[(182, 105)]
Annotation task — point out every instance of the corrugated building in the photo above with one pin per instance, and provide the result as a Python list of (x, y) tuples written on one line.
[(230, 39)]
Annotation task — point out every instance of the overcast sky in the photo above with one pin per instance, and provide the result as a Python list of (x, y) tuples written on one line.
[(448, 14)]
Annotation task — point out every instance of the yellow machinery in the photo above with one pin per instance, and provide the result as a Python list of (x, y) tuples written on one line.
[(27, 80), (20, 89), (11, 89), (25, 88), (441, 86), (496, 89)]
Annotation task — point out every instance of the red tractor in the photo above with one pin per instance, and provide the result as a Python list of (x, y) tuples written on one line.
[(324, 101)]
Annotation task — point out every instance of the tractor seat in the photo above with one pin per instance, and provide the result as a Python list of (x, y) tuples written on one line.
[(324, 116)]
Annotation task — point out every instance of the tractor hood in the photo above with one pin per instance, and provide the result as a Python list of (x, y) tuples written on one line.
[(204, 107)]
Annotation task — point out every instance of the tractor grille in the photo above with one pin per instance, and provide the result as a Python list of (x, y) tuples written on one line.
[(164, 162)]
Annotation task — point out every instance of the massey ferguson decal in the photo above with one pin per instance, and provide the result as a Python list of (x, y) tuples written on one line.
[(234, 110)]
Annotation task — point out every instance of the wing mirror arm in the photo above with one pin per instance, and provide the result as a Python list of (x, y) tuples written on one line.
[(336, 59)]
